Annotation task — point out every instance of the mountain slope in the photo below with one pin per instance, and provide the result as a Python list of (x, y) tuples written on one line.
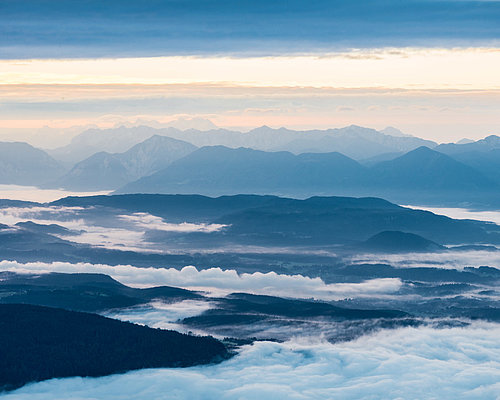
[(220, 170), (104, 171), (153, 154), (101, 171), (484, 145), (23, 164), (488, 163), (39, 343), (355, 142), (426, 169), (91, 141)]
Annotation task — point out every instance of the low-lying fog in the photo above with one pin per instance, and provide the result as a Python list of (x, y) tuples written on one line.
[(428, 360), (462, 213), (217, 281), (132, 232), (407, 363), (32, 193)]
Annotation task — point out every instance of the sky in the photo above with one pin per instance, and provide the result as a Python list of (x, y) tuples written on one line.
[(426, 67)]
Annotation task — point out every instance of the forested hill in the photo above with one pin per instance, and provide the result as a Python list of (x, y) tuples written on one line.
[(38, 343)]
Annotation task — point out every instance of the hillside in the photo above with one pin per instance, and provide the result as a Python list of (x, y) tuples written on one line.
[(105, 171), (220, 170), (424, 168), (22, 164), (39, 343), (419, 175), (81, 292), (483, 145), (274, 220), (354, 141)]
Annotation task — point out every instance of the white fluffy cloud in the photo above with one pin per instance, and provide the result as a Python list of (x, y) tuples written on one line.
[(219, 281), (408, 363)]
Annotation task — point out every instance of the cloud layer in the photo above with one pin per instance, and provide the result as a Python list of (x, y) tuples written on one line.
[(219, 282), (408, 363), (121, 232), (447, 259), (123, 28)]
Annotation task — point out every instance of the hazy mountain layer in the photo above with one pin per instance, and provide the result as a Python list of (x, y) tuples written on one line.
[(487, 162), (22, 164), (483, 145), (103, 170), (220, 170), (420, 175), (353, 141)]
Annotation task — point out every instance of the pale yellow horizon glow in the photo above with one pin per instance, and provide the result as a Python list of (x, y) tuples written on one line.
[(438, 94), (467, 69)]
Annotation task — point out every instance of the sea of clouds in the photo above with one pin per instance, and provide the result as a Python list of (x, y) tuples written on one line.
[(407, 363)]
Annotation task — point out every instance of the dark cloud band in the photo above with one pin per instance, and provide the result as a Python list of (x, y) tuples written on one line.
[(62, 28)]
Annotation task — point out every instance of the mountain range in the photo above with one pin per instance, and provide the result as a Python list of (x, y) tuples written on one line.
[(109, 171), (419, 174), (354, 141), (352, 161), (218, 170)]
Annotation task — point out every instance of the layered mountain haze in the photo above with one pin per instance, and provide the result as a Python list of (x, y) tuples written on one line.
[(104, 171), (483, 145), (154, 154), (91, 141), (354, 141), (425, 169), (422, 174), (22, 164), (488, 162), (99, 171), (220, 170), (351, 161)]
